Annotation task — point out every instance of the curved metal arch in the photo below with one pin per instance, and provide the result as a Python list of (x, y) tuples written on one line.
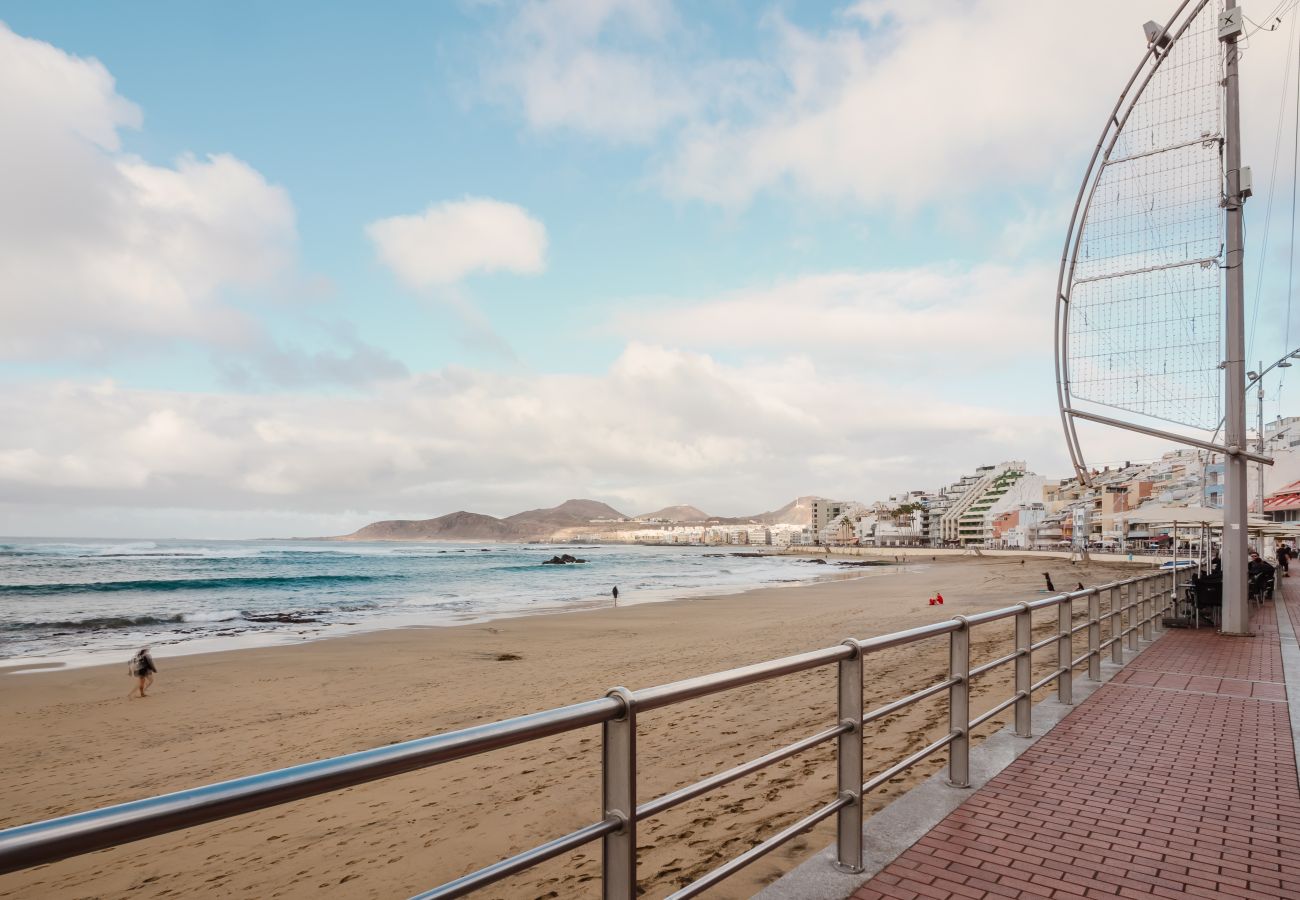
[(1079, 216)]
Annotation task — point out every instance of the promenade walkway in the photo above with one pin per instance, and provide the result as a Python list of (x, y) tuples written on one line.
[(1175, 779)]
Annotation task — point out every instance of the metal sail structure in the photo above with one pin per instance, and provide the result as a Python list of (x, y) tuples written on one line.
[(1149, 317)]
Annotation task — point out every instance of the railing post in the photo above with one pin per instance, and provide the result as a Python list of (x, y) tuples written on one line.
[(618, 776), (1024, 671), (1131, 604), (848, 841), (1116, 627), (1148, 603), (1160, 597), (1094, 637), (1065, 652), (959, 705)]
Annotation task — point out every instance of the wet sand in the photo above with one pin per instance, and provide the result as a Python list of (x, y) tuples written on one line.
[(72, 741)]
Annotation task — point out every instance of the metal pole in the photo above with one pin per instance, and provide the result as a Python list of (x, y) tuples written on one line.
[(1236, 615), (618, 775), (959, 705), (1259, 395), (1094, 637), (1131, 594), (1173, 591), (1148, 606), (1024, 671), (848, 842), (1065, 653), (1116, 627)]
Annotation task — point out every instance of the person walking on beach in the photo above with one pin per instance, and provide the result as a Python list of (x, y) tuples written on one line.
[(615, 593), (142, 668)]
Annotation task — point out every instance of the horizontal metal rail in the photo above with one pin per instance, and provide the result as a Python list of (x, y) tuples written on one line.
[(54, 839), (903, 765), (45, 842), (522, 861), (668, 801), (1045, 681), (1045, 642), (786, 834), (692, 688), (908, 700), (993, 664), (1005, 704)]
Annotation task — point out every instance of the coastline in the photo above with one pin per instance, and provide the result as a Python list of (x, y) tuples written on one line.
[(176, 645), (74, 743)]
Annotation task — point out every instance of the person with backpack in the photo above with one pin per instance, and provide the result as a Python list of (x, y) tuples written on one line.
[(141, 668)]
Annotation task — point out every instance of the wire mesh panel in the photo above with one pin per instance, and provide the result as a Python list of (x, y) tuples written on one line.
[(1145, 305)]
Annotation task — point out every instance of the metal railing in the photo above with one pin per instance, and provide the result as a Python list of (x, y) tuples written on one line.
[(1134, 609)]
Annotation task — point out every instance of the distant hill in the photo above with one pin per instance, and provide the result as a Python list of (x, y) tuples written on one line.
[(457, 526), (567, 514), (797, 512), (572, 518), (675, 514), (535, 524)]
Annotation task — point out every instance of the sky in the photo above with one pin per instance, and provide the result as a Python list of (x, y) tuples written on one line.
[(284, 269)]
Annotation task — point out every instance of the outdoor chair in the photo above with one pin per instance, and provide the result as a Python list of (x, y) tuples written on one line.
[(1207, 595)]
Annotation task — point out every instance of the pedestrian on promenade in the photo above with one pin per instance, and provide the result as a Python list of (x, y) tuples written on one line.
[(142, 669), (1284, 559)]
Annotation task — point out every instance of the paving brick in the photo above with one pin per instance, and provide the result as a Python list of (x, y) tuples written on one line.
[(1175, 779)]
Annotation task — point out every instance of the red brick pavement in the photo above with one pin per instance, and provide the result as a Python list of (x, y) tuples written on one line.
[(1175, 779)]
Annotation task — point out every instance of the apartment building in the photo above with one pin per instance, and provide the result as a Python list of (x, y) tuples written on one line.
[(964, 521)]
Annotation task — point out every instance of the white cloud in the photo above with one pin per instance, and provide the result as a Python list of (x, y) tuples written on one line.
[(896, 104), (594, 66), (452, 240), (101, 251), (931, 314), (927, 101), (658, 426)]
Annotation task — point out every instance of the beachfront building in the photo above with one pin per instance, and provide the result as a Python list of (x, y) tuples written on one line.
[(784, 535), (1019, 491), (1018, 528), (1284, 505), (964, 521), (823, 512), (901, 521), (956, 499)]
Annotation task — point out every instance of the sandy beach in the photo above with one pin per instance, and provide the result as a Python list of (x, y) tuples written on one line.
[(72, 741)]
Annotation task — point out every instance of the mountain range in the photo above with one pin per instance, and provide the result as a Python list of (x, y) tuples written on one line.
[(561, 522)]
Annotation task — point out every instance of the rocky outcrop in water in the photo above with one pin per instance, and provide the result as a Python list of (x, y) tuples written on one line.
[(563, 560)]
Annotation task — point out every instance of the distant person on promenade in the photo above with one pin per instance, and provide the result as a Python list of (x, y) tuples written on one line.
[(1284, 559), (141, 668), (615, 593), (1258, 568)]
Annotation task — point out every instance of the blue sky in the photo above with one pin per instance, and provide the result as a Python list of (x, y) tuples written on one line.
[(648, 253)]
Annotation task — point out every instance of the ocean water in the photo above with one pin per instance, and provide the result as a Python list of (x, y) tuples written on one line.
[(85, 601)]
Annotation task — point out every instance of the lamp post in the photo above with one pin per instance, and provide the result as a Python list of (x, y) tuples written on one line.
[(1256, 380)]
